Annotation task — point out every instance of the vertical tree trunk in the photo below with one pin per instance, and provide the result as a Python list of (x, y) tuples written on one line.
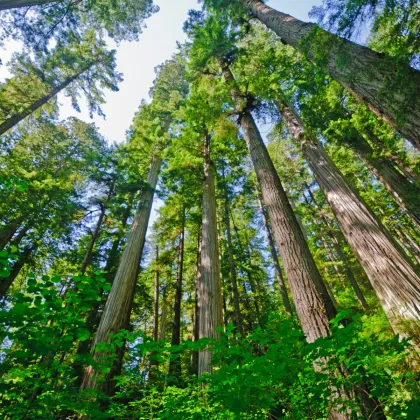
[(232, 267), (15, 119), (156, 299), (16, 240), (366, 74), (6, 234), (175, 363), (196, 323), (394, 279), (276, 263), (95, 235), (116, 314), (210, 288), (340, 253)]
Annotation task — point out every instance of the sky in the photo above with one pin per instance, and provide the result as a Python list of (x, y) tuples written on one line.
[(137, 60)]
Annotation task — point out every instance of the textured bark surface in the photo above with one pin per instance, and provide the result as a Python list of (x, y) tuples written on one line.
[(405, 193), (348, 272), (175, 363), (279, 276), (368, 75), (14, 4), (394, 279), (210, 302), (116, 314), (15, 119), (308, 290), (6, 234)]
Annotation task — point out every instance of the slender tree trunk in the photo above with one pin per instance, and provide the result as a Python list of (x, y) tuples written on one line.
[(116, 314), (15, 119), (14, 4), (405, 193), (368, 75), (175, 363), (196, 323), (95, 235), (16, 240), (404, 167), (156, 299), (6, 282), (93, 319), (232, 268), (394, 279), (340, 253), (210, 305), (6, 234), (276, 263)]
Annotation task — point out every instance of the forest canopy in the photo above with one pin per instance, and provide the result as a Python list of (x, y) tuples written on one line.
[(250, 250)]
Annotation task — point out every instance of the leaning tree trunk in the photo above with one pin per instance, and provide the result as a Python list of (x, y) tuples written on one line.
[(92, 319), (368, 75), (394, 279), (14, 4), (276, 263), (404, 192), (6, 282), (15, 119), (116, 314), (210, 304), (340, 253), (402, 166), (313, 304), (175, 362)]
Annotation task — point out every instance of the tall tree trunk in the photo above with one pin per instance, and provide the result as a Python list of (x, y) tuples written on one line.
[(232, 267), (92, 319), (95, 235), (175, 362), (276, 263), (340, 253), (210, 287), (368, 75), (313, 304), (6, 282), (15, 119), (405, 193), (394, 279), (156, 299), (196, 323), (116, 314), (14, 4), (402, 166)]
